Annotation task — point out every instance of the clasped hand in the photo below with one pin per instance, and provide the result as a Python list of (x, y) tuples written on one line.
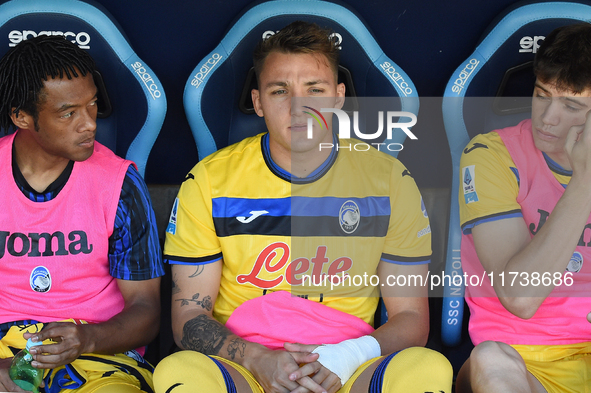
[(295, 370)]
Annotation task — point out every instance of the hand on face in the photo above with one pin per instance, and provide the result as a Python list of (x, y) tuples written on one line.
[(578, 148), (557, 116)]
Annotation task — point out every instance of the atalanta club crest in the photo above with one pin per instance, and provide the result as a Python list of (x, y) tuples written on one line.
[(576, 263), (40, 279), (349, 217)]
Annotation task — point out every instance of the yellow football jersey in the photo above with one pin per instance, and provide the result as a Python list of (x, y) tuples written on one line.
[(275, 232), (489, 181)]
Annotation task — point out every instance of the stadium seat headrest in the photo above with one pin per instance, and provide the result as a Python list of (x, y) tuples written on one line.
[(132, 103), (217, 94)]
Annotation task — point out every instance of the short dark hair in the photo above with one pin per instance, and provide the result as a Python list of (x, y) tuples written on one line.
[(564, 58), (25, 67), (298, 37)]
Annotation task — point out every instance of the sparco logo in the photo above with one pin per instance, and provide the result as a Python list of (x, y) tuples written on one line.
[(81, 39), (205, 69), (530, 45), (147, 79), (464, 75), (19, 244), (397, 78)]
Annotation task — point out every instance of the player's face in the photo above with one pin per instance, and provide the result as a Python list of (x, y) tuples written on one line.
[(554, 112), (307, 78), (66, 125)]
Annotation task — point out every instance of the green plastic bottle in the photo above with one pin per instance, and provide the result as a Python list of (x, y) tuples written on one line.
[(22, 373)]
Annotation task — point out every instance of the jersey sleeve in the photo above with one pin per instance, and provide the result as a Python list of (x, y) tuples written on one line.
[(190, 236), (134, 247), (489, 182), (408, 240)]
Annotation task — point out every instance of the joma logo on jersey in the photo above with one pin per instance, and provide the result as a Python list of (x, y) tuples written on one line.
[(544, 217), (19, 244), (269, 261)]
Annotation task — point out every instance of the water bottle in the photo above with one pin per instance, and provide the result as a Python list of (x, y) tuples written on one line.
[(22, 373)]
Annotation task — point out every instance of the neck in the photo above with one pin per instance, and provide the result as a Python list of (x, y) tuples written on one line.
[(298, 164), (560, 159), (37, 167)]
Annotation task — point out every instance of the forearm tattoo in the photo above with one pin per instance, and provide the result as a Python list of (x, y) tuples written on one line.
[(236, 345), (199, 270), (175, 286), (204, 334), (206, 303)]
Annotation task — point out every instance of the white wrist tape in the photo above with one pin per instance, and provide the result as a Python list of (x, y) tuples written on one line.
[(345, 357)]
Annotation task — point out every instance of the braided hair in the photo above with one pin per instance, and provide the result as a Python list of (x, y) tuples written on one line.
[(25, 67)]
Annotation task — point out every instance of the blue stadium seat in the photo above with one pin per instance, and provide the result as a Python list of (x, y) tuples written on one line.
[(132, 103), (217, 94), (492, 89)]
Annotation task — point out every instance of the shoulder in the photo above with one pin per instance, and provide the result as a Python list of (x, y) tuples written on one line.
[(6, 140), (494, 142), (104, 157), (487, 148), (237, 151), (369, 157), (133, 183), (490, 141), (224, 166)]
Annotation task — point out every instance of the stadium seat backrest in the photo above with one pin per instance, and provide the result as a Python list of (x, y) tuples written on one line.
[(492, 89), (132, 103), (217, 94)]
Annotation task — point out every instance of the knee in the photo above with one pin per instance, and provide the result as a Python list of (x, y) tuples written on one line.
[(421, 356), (185, 370), (418, 369), (179, 361), (494, 355)]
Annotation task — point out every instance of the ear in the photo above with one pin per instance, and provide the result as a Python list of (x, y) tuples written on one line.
[(23, 120), (256, 102), (340, 96)]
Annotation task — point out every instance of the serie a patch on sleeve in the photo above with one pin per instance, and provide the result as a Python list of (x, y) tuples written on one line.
[(171, 228), (468, 184)]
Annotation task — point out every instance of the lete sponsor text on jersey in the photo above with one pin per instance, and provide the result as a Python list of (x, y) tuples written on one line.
[(274, 258)]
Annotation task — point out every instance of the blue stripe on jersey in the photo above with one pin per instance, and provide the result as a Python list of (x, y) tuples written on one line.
[(398, 260), (316, 173), (134, 251), (176, 260), (467, 227), (377, 379), (516, 173), (555, 167), (241, 207), (331, 206), (230, 387), (297, 206), (267, 154)]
